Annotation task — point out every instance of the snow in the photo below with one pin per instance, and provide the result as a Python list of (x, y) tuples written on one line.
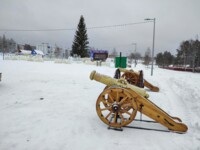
[(39, 52), (25, 52), (51, 106)]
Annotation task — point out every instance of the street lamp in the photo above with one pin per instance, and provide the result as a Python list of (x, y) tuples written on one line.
[(135, 52), (152, 56)]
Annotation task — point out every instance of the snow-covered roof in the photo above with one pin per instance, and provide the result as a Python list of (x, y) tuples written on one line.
[(33, 52), (27, 52), (39, 52)]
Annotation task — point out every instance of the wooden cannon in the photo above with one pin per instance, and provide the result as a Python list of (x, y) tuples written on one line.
[(135, 78), (119, 102)]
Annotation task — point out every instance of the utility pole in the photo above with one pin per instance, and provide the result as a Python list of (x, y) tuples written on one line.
[(152, 56)]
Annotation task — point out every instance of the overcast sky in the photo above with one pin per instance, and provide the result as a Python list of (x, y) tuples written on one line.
[(176, 21)]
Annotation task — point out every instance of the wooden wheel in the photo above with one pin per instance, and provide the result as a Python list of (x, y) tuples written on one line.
[(116, 107), (131, 78)]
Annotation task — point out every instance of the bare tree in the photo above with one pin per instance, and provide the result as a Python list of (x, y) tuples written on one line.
[(147, 57), (57, 52), (114, 52), (134, 56)]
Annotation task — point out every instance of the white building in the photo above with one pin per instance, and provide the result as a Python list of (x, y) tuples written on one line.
[(44, 47)]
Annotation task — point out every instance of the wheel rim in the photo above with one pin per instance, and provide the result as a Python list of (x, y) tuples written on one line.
[(130, 78), (116, 107)]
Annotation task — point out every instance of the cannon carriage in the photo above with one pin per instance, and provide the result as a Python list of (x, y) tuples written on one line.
[(120, 101), (135, 78)]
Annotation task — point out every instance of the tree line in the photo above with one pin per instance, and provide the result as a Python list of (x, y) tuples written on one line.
[(188, 54), (7, 45)]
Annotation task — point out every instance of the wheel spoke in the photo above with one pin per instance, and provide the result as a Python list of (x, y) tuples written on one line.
[(106, 108), (127, 112), (132, 78), (111, 98), (117, 97), (108, 114), (105, 102), (115, 117), (123, 100), (122, 118), (128, 75), (126, 105)]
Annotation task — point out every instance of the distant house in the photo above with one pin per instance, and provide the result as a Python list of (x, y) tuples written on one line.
[(24, 52), (37, 52), (33, 52)]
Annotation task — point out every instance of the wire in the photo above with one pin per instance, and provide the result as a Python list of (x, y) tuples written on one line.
[(119, 25), (27, 30), (70, 29)]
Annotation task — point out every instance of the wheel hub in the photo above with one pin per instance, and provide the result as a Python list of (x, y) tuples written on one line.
[(115, 107)]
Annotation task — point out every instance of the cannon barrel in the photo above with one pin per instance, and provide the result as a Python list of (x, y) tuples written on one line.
[(122, 83)]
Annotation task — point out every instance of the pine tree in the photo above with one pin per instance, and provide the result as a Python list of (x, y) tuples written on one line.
[(28, 47), (168, 58), (4, 43), (159, 59), (164, 59), (80, 44)]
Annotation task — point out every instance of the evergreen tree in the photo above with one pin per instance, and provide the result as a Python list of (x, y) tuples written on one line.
[(7, 45), (167, 58), (159, 59), (164, 59), (195, 53), (28, 47), (80, 44), (4, 44), (188, 53)]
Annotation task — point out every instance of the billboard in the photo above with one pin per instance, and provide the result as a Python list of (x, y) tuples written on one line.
[(98, 55)]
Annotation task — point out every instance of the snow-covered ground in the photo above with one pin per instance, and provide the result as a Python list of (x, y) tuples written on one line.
[(50, 106)]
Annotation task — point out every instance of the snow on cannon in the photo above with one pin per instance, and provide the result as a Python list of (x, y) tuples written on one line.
[(135, 78), (119, 102)]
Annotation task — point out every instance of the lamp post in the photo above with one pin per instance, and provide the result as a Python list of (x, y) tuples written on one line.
[(135, 52), (152, 56)]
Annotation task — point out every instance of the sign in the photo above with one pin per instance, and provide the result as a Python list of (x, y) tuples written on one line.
[(98, 55)]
